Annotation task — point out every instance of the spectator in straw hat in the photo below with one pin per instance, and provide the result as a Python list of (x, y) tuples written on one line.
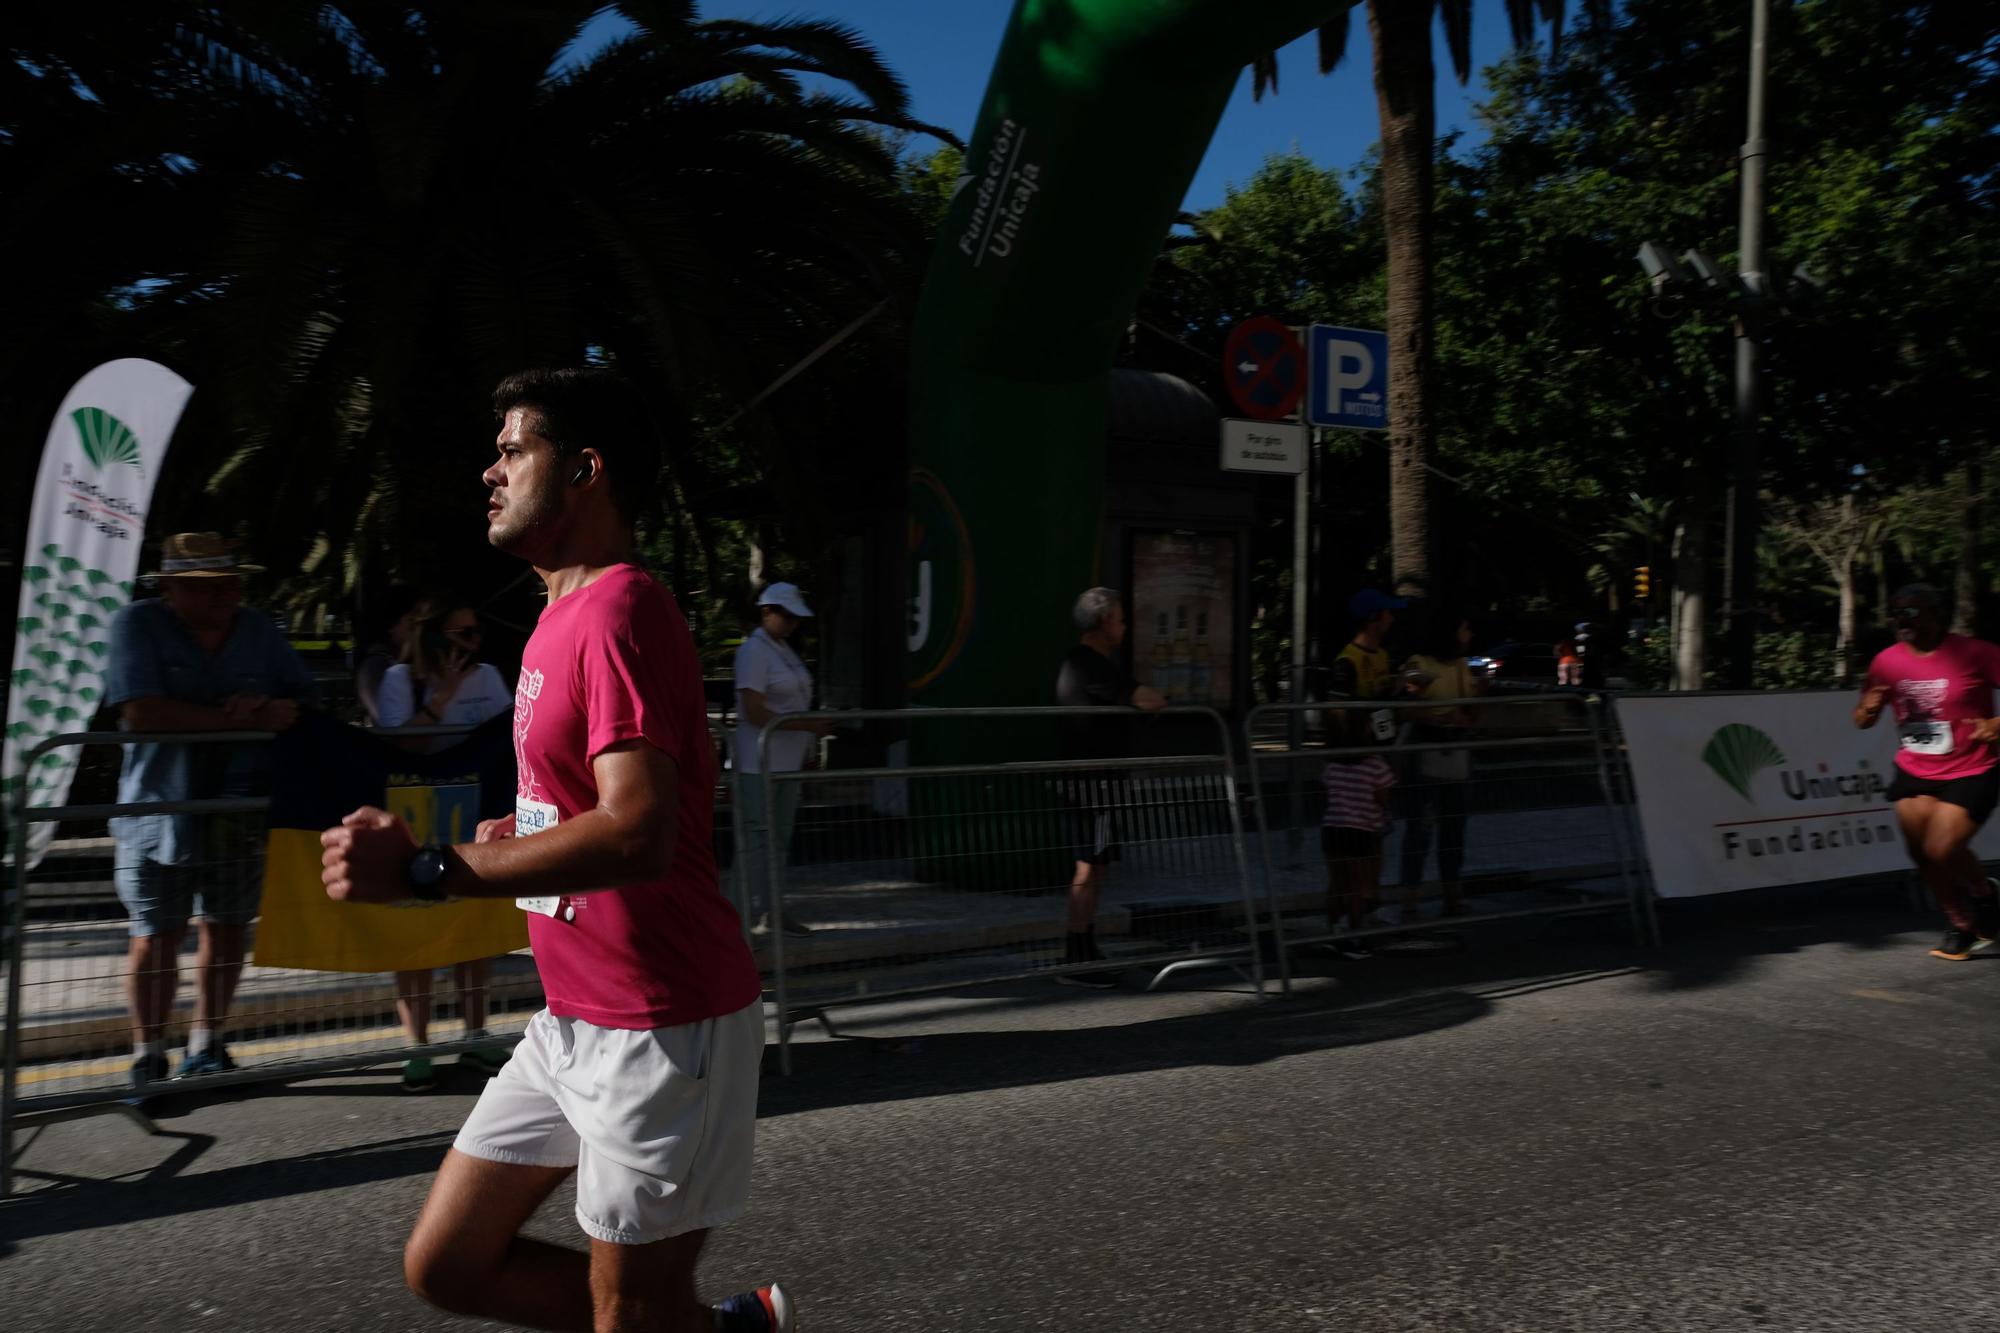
[(193, 659)]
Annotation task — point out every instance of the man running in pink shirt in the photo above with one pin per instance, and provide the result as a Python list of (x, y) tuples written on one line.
[(640, 1077), (1947, 764)]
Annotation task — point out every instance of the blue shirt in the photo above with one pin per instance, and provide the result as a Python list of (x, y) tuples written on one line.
[(153, 655)]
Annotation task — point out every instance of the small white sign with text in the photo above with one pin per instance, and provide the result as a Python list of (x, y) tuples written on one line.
[(1264, 446)]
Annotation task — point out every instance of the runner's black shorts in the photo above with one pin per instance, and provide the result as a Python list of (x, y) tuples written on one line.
[(1977, 794)]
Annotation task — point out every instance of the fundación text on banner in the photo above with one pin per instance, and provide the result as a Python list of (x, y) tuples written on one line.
[(1755, 791)]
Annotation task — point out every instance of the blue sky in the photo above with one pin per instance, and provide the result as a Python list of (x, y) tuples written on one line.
[(943, 49)]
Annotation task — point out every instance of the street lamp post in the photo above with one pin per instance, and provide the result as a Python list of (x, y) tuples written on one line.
[(1749, 302), (1740, 609)]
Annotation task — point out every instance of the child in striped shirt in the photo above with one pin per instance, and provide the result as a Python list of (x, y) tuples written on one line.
[(1350, 836)]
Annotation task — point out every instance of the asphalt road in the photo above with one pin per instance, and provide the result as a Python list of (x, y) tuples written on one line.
[(1784, 1120)]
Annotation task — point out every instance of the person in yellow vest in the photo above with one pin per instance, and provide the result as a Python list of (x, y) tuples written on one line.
[(1361, 670)]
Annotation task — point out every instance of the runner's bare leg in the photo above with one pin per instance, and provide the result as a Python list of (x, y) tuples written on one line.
[(648, 1288), (466, 1253), (1949, 842), (1928, 833)]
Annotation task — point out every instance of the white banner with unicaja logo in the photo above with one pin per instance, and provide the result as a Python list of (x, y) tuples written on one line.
[(1750, 791), (85, 534)]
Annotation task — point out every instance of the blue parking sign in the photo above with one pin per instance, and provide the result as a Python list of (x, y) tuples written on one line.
[(1348, 371)]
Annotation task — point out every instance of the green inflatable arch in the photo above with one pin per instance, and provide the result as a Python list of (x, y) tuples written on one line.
[(1096, 117)]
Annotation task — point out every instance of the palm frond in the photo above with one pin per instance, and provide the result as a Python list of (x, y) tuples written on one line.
[(1264, 75), (1333, 40), (835, 49), (1456, 16), (1521, 20)]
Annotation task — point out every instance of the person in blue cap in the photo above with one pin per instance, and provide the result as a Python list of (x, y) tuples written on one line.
[(1361, 669)]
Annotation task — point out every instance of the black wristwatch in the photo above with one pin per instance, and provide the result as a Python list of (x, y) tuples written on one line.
[(426, 873)]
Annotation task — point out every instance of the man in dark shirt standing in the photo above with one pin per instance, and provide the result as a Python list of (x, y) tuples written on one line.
[(1092, 677)]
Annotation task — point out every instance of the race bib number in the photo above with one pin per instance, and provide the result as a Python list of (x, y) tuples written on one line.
[(1383, 723), (532, 817), (1926, 737)]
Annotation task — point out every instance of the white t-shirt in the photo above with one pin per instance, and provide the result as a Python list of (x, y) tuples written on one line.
[(483, 695), (771, 668)]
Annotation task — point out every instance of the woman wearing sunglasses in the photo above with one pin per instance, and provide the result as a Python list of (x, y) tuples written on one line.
[(442, 683)]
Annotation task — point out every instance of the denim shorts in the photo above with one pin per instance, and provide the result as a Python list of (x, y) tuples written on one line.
[(225, 884)]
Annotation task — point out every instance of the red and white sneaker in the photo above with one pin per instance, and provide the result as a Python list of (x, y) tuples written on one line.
[(765, 1310)]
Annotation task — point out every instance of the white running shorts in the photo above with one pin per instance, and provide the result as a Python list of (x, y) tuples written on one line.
[(659, 1123)]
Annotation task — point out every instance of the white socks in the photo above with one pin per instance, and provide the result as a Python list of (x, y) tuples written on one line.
[(199, 1040), (144, 1049)]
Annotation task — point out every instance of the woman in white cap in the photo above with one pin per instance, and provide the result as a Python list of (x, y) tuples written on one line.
[(772, 681)]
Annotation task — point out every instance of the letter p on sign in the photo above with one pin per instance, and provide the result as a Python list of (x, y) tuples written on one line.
[(1350, 377), (1350, 366)]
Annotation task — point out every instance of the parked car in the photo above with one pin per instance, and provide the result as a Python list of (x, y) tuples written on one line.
[(1516, 660)]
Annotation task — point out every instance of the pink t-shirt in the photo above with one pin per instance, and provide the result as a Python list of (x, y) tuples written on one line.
[(614, 662), (1937, 696)]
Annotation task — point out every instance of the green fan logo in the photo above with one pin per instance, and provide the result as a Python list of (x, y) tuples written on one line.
[(1738, 753), (105, 439)]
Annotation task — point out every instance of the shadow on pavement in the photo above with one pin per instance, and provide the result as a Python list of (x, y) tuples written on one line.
[(1710, 942), (72, 1203)]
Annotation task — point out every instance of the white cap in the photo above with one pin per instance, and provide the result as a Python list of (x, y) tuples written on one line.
[(784, 596)]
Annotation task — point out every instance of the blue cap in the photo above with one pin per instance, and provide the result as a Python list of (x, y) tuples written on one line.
[(1371, 602)]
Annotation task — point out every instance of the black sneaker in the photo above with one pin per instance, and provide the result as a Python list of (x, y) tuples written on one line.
[(146, 1069), (1957, 945), (1089, 980)]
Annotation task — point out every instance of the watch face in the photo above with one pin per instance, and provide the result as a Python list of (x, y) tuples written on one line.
[(427, 867)]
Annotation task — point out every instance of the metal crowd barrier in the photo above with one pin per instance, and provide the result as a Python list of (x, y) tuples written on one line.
[(910, 877), (1516, 814), (68, 1045), (916, 877), (1625, 807)]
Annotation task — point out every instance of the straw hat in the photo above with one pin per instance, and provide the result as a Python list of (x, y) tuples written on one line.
[(201, 555)]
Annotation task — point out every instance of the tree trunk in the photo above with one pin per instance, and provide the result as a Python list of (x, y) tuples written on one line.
[(1843, 652), (1878, 569), (1852, 533), (1400, 32), (1965, 588), (1691, 586)]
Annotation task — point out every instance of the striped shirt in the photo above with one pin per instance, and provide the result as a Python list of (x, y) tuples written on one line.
[(1354, 794)]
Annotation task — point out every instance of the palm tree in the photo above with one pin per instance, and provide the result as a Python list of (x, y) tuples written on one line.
[(1406, 101), (351, 219)]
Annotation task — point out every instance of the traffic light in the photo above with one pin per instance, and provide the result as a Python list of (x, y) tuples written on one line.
[(1642, 583)]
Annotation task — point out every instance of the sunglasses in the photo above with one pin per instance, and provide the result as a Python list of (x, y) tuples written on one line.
[(465, 632), (1908, 612)]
